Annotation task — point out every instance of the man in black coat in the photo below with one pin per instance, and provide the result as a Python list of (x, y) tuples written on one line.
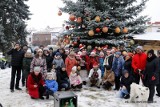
[(16, 61), (158, 62)]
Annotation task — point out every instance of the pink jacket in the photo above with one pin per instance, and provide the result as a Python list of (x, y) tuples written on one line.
[(75, 79)]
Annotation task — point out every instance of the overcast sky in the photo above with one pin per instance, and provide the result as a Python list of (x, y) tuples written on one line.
[(45, 13)]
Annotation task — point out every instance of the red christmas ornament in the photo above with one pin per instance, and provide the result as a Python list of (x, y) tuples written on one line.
[(67, 27), (75, 43), (72, 17), (98, 30)]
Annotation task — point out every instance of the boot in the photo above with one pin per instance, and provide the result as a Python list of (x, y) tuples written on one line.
[(127, 96)]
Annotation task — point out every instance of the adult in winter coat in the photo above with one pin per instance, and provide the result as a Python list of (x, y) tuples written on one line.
[(70, 62), (51, 85), (139, 63), (35, 84), (63, 79), (26, 64), (40, 61), (49, 59), (158, 85), (17, 58), (117, 67), (128, 63), (151, 74), (108, 59), (125, 83), (58, 61), (95, 76), (108, 78)]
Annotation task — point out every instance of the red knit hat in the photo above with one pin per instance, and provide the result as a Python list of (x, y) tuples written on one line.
[(95, 64)]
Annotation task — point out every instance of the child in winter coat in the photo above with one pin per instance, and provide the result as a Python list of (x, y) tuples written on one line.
[(51, 85), (26, 64), (108, 78), (126, 81), (95, 76), (101, 61), (58, 61), (35, 84), (53, 71), (62, 79), (75, 80)]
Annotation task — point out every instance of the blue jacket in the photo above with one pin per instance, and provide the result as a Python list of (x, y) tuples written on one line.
[(52, 85), (118, 65), (101, 60)]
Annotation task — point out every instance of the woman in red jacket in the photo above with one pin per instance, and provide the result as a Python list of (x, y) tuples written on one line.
[(139, 63), (35, 84)]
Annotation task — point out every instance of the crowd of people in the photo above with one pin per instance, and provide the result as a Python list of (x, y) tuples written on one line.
[(48, 70)]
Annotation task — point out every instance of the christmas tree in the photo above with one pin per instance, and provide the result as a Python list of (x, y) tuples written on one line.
[(103, 22), (13, 14)]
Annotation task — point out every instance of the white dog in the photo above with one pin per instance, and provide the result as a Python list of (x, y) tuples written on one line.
[(139, 95)]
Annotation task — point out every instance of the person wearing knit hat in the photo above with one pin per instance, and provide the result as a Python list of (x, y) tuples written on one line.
[(36, 84), (51, 85), (125, 83), (117, 67), (58, 61), (94, 77), (139, 63), (128, 63), (75, 79)]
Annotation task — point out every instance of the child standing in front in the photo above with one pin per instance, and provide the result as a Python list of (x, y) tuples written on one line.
[(75, 79), (51, 85)]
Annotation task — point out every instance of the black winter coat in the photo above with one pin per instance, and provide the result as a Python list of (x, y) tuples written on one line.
[(128, 66), (62, 77), (152, 69), (49, 60), (127, 82), (17, 57)]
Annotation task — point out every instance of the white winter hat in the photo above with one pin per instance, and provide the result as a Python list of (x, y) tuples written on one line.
[(140, 47), (29, 51), (37, 69), (74, 68), (92, 54), (50, 75)]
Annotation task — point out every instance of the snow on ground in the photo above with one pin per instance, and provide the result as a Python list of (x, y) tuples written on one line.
[(88, 97)]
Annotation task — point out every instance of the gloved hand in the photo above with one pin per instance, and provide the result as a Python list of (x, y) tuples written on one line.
[(153, 78)]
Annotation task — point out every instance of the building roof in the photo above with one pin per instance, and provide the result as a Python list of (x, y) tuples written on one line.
[(152, 36)]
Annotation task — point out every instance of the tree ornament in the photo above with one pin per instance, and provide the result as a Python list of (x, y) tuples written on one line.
[(83, 26), (117, 30), (91, 33), (72, 26), (132, 42), (75, 43), (98, 30), (105, 29), (125, 30), (72, 17), (59, 13), (67, 27), (79, 20), (98, 19)]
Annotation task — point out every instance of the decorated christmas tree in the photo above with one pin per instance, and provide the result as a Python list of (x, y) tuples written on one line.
[(103, 22)]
